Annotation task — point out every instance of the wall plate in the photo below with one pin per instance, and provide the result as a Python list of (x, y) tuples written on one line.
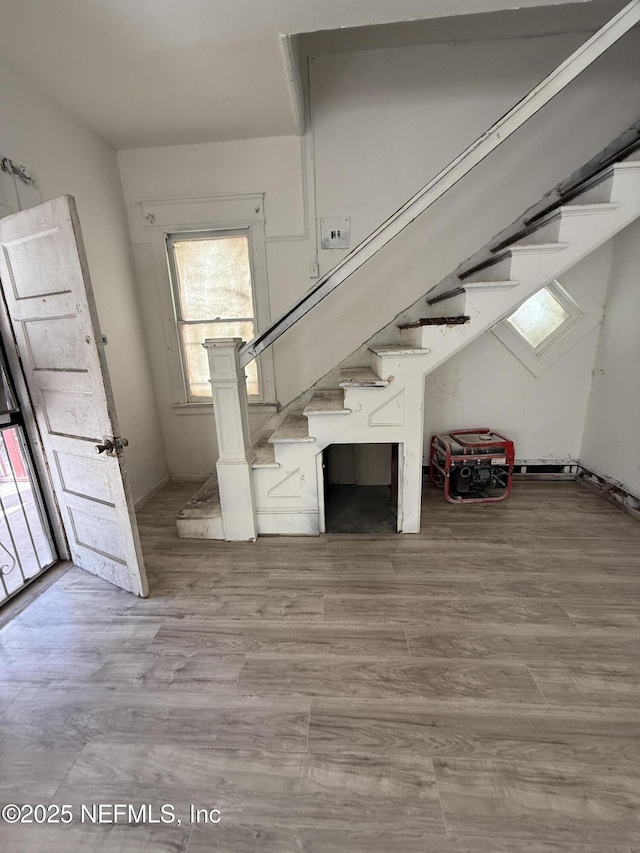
[(335, 232)]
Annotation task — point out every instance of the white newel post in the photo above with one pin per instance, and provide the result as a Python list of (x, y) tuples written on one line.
[(231, 409)]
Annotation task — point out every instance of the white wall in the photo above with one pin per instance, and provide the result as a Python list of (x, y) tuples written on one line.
[(67, 158), (386, 121), (273, 166), (383, 123), (611, 444), (485, 385)]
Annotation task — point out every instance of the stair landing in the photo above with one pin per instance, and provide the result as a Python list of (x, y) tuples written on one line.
[(201, 516)]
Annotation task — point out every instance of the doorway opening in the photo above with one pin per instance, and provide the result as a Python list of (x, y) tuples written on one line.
[(361, 488), (26, 544)]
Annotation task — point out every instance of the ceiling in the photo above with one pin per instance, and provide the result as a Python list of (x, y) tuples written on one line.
[(165, 72)]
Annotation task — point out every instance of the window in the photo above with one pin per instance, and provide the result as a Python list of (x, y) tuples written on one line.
[(548, 324), (539, 317), (544, 317), (210, 268), (213, 295)]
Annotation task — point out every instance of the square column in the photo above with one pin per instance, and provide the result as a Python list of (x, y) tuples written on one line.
[(231, 410)]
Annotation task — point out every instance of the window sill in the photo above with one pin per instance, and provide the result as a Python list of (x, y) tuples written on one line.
[(182, 409)]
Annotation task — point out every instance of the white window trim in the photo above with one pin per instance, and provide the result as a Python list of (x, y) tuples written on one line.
[(582, 319), (565, 301), (211, 213)]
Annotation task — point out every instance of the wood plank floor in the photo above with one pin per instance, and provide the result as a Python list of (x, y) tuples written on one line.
[(473, 689)]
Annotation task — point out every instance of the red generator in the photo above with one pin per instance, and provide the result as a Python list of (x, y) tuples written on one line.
[(472, 465)]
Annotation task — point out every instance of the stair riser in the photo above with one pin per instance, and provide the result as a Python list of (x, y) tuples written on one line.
[(547, 233), (542, 266), (605, 190), (362, 398), (578, 228), (599, 193), (358, 399), (300, 522), (320, 425), (449, 283), (438, 338), (500, 271), (391, 367), (412, 337), (452, 307), (626, 184), (204, 528), (289, 457)]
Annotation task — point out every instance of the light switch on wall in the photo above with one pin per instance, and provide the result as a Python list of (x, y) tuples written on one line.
[(335, 232)]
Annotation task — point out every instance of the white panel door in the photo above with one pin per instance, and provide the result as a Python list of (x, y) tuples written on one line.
[(46, 286)]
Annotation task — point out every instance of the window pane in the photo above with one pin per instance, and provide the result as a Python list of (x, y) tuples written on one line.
[(214, 278), (196, 355), (25, 548), (539, 317)]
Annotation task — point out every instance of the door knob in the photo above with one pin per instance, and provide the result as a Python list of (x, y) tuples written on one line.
[(112, 446), (106, 447)]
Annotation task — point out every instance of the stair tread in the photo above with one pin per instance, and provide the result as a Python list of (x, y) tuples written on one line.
[(537, 248), (629, 164), (265, 453), (591, 207), (458, 320), (295, 427), (361, 377), (398, 350), (204, 504), (327, 402), (501, 263), (502, 284)]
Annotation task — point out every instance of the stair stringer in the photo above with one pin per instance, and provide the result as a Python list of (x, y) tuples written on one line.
[(530, 267), (287, 497), (600, 188), (487, 308), (287, 492), (616, 184), (396, 419), (300, 514)]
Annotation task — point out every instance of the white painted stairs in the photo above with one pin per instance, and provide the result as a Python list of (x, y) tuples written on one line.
[(381, 399)]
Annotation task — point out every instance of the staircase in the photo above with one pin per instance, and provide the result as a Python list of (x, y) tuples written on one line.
[(377, 396)]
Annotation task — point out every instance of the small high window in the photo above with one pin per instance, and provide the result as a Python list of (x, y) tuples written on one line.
[(544, 317), (213, 298), (548, 324)]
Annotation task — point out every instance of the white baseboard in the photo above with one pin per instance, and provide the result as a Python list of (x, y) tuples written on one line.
[(190, 478), (142, 501)]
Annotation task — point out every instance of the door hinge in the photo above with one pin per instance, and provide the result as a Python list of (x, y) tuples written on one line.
[(112, 446)]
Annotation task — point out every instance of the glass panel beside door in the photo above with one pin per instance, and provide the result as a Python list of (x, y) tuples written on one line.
[(26, 544)]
